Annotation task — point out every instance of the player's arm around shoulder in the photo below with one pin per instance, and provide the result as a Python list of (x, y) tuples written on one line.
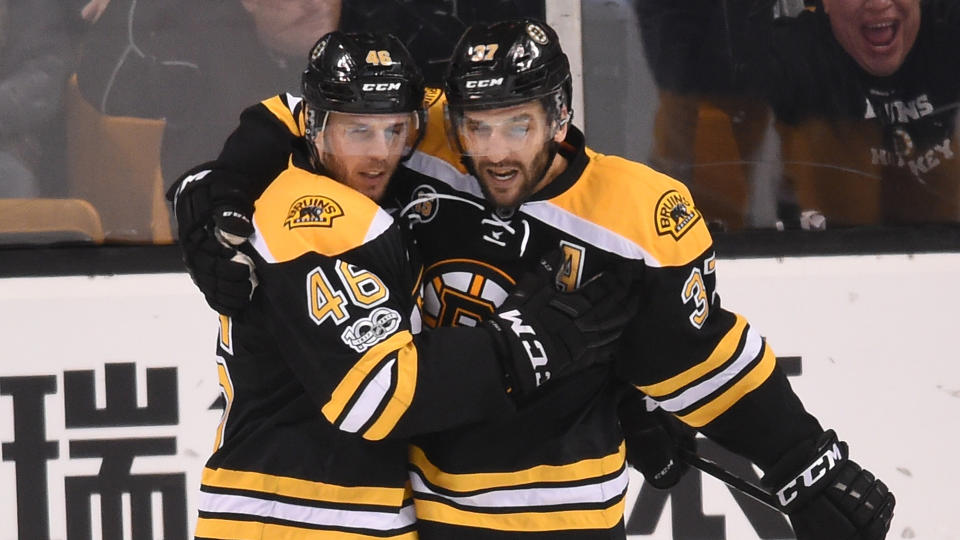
[(260, 146), (337, 276)]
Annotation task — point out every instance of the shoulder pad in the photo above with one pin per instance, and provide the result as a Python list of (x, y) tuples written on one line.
[(651, 210), (302, 212)]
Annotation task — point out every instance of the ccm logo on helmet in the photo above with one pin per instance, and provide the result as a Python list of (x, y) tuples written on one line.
[(813, 474), (380, 87), (485, 83)]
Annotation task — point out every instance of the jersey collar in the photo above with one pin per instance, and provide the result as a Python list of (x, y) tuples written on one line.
[(573, 148)]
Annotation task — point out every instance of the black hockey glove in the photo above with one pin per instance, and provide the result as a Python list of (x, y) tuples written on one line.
[(213, 217), (654, 439), (542, 334), (828, 496)]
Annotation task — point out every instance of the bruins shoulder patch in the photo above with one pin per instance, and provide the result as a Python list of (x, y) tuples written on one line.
[(313, 211), (675, 214)]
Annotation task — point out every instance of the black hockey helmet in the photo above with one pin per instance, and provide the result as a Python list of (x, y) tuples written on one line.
[(500, 65), (506, 63), (361, 73)]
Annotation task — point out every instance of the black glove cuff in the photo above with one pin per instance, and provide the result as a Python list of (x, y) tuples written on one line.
[(805, 471)]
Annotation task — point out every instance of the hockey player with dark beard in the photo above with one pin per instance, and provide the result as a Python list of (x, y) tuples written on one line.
[(521, 183), (326, 374)]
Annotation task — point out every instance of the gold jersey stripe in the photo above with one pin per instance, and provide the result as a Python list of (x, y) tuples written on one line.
[(415, 291), (280, 110), (253, 530), (706, 414), (350, 384), (621, 197), (603, 518), (399, 402), (302, 489), (223, 375), (355, 216), (721, 353), (226, 333), (467, 482)]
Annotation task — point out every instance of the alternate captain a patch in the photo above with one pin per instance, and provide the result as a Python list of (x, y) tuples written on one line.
[(313, 211), (675, 214)]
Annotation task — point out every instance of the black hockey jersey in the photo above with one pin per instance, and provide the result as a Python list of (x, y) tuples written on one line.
[(325, 363), (558, 464), (557, 467)]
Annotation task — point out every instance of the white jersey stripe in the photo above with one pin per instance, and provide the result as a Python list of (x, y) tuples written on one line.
[(545, 211), (358, 519), (445, 172), (292, 102), (596, 493), (370, 399), (381, 222), (256, 240), (587, 231), (751, 349)]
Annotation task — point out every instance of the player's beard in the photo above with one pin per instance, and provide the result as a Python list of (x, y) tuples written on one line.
[(524, 183)]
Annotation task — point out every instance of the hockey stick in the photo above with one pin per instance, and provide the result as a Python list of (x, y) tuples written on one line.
[(730, 479)]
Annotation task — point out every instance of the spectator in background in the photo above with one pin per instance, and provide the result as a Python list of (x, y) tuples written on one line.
[(165, 60), (289, 27), (33, 69), (889, 109), (865, 93), (703, 135)]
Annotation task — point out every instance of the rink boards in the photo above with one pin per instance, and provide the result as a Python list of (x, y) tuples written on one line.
[(108, 388)]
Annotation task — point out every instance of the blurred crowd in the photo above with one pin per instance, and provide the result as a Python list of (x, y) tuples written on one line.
[(777, 113)]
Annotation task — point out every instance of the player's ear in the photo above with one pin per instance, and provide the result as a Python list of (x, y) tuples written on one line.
[(561, 132), (318, 142)]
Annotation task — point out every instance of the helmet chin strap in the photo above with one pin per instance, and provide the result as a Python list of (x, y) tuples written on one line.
[(311, 132)]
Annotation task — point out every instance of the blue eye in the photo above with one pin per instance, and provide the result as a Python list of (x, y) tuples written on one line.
[(481, 130), (519, 131)]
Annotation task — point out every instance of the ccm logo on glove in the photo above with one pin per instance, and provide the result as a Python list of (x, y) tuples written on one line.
[(813, 474), (533, 347)]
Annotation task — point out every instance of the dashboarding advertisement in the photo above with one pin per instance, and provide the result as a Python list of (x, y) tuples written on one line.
[(109, 398)]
